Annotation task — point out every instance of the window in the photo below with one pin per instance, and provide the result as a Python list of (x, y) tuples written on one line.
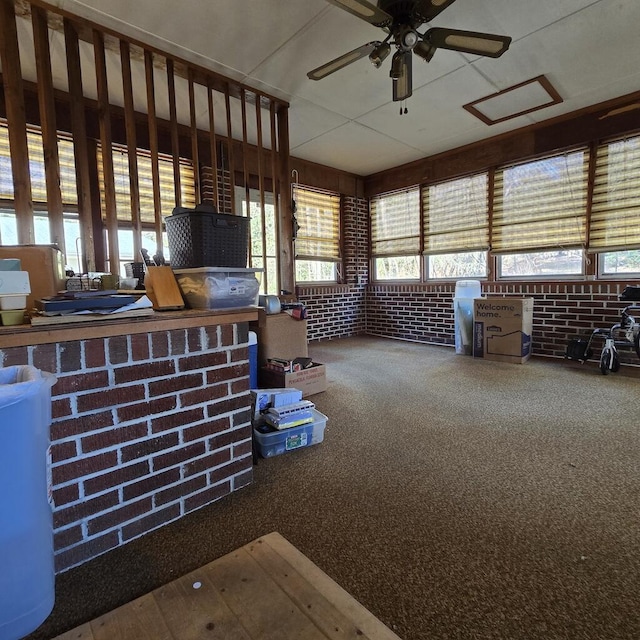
[(264, 253), (615, 211), (540, 213), (318, 238), (395, 235), (456, 227)]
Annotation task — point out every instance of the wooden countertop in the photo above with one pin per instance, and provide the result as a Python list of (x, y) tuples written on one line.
[(25, 335)]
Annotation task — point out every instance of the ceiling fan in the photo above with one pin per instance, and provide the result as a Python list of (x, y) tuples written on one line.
[(400, 19)]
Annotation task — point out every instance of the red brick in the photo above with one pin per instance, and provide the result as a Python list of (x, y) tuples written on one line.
[(160, 344), (174, 458), (227, 406), (227, 373), (241, 419), (176, 383), (149, 446), (178, 491), (115, 517), (63, 451), (78, 512), (240, 386), (60, 408), (205, 429), (82, 552), (212, 337), (94, 353), (243, 479), (14, 356), (81, 382), (76, 426), (194, 341), (112, 437), (242, 449), (45, 357), (85, 466), (70, 357), (146, 409), (178, 342), (133, 373), (139, 346), (67, 537), (176, 419), (226, 335), (120, 476), (118, 350), (239, 466), (205, 497), (110, 398), (241, 353), (202, 361), (65, 495), (153, 521), (206, 394), (208, 462), (150, 484)]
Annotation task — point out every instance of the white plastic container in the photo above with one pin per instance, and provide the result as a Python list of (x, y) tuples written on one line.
[(27, 575), (466, 291), (8, 303)]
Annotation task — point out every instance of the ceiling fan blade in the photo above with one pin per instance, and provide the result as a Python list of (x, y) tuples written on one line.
[(342, 61), (429, 9), (401, 75), (366, 11), (483, 44)]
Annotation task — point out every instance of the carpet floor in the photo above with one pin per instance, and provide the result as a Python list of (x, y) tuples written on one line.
[(455, 498)]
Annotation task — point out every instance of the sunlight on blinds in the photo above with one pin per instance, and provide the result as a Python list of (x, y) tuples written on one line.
[(318, 214), (395, 223)]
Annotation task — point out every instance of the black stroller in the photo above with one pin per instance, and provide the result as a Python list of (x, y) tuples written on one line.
[(623, 333)]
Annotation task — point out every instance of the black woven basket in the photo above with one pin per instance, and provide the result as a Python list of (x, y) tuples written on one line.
[(202, 237)]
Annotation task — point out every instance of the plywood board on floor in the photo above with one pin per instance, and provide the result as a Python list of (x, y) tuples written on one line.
[(266, 590)]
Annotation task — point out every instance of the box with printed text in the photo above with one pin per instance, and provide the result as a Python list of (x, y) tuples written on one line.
[(502, 329)]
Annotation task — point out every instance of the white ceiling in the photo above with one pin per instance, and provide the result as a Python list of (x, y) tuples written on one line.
[(588, 49)]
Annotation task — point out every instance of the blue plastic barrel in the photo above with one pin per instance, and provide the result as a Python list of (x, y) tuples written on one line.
[(253, 360), (27, 574)]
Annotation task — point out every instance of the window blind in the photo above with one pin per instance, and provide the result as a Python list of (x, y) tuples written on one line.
[(615, 210), (145, 184), (318, 214), (541, 204), (456, 215), (395, 223), (67, 168)]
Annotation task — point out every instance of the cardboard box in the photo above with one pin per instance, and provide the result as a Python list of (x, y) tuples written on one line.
[(281, 336), (45, 264), (310, 381), (502, 329)]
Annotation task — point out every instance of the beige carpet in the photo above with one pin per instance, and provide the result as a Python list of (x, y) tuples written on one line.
[(453, 497)]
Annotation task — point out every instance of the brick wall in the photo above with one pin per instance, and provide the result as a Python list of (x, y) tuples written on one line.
[(146, 428)]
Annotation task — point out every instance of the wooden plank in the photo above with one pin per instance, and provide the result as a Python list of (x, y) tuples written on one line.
[(260, 141), (140, 619), (193, 608), (83, 632), (173, 124), (153, 145), (265, 610), (287, 262), (80, 147), (343, 602), (48, 126), (195, 159), (275, 178), (245, 151), (230, 159), (16, 118), (132, 145), (104, 122), (212, 143)]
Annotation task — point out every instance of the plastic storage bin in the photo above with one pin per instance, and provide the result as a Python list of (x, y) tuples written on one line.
[(219, 287), (466, 291), (202, 237), (274, 443), (27, 575)]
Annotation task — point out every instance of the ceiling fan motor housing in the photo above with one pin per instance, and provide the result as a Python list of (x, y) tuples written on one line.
[(406, 12)]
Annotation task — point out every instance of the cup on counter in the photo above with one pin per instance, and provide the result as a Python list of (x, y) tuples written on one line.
[(106, 281), (128, 283)]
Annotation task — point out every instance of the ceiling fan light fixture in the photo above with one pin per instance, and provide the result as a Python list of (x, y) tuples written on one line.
[(379, 54), (424, 50)]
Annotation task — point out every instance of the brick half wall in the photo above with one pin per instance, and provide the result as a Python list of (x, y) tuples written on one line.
[(146, 428)]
